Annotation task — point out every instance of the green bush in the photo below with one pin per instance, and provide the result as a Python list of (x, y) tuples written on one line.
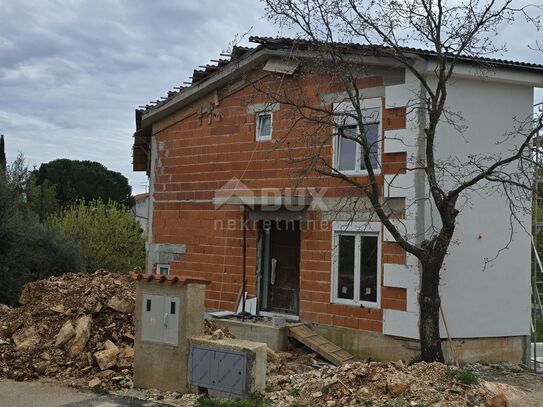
[(462, 375), (29, 251), (107, 234)]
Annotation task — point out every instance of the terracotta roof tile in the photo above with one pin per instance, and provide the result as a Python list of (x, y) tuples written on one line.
[(170, 279)]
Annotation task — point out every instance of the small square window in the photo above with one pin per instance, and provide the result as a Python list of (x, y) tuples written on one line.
[(264, 126), (163, 269)]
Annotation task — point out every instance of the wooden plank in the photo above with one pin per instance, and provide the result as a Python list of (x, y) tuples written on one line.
[(320, 345)]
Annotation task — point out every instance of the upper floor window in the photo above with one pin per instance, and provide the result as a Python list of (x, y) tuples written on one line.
[(349, 154), (264, 126)]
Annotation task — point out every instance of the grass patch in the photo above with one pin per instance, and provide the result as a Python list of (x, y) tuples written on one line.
[(414, 360), (462, 375), (295, 392), (99, 390), (253, 401)]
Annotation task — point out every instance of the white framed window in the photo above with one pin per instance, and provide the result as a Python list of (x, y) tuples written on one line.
[(356, 270), (163, 269), (264, 126), (348, 153)]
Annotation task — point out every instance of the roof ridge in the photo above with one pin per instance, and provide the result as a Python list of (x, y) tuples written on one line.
[(239, 52)]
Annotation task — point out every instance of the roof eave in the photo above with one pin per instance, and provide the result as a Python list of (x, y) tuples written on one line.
[(213, 82)]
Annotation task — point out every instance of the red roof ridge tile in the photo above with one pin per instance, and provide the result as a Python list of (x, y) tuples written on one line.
[(170, 279)]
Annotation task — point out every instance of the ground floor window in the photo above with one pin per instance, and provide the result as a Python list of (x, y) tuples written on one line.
[(356, 268)]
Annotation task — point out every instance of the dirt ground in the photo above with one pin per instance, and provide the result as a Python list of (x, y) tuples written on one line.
[(530, 383)]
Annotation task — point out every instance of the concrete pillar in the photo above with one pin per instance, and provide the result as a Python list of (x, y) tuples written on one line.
[(163, 330)]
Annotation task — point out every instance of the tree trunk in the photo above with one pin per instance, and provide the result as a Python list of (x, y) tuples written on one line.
[(429, 302)]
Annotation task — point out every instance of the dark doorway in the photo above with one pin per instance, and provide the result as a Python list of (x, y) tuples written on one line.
[(280, 268)]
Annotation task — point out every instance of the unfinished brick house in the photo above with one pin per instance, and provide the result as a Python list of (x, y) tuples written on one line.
[(219, 153)]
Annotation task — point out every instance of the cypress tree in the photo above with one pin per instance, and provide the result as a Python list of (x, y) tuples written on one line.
[(2, 153)]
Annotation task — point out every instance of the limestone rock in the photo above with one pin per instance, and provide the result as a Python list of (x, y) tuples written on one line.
[(108, 345), (59, 309), (512, 396), (272, 355), (95, 383), (104, 374), (66, 333), (397, 388), (108, 357), (498, 400), (40, 367), (127, 352), (82, 334), (126, 357), (218, 334), (120, 305), (26, 338)]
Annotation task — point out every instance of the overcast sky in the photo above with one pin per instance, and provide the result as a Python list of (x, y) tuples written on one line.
[(72, 72)]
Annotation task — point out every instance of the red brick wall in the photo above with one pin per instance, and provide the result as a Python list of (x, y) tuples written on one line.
[(197, 158)]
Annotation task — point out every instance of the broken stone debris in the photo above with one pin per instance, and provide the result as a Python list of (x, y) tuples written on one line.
[(66, 333), (301, 378), (75, 328), (95, 383), (506, 395), (26, 338), (121, 305), (71, 328), (108, 357), (82, 334)]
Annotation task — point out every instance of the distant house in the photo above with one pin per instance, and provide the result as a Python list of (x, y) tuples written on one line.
[(141, 211), (214, 151)]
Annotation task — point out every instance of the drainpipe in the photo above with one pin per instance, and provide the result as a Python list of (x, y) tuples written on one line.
[(244, 282)]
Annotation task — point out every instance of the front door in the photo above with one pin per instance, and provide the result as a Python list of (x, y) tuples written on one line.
[(280, 268)]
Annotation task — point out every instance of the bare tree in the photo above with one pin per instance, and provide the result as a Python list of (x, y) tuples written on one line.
[(452, 31)]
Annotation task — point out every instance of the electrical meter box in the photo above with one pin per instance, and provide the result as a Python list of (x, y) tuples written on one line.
[(160, 319), (169, 311), (227, 367)]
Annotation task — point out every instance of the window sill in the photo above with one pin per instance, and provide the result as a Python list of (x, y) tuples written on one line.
[(358, 304), (360, 173)]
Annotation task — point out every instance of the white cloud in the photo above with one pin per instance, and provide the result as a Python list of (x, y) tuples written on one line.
[(72, 72)]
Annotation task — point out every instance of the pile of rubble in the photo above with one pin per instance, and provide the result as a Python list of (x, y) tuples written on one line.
[(375, 384), (74, 328)]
